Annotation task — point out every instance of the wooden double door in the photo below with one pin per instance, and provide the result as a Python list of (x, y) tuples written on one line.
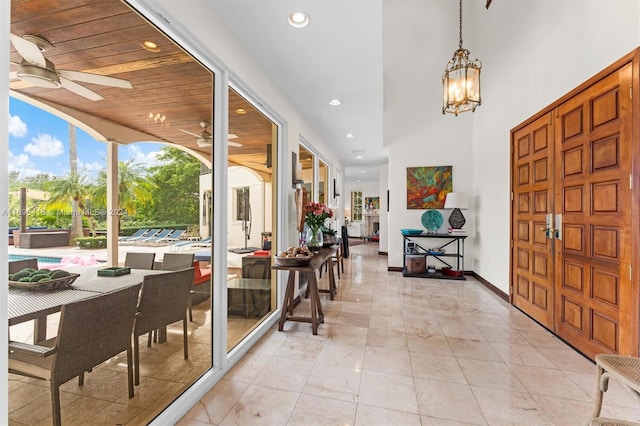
[(573, 250)]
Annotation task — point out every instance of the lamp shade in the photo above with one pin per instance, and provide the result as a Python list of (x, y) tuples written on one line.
[(456, 200)]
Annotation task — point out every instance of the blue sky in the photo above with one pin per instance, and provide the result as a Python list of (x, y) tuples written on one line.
[(39, 143)]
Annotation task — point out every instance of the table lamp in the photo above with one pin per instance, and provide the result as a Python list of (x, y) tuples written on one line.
[(456, 201)]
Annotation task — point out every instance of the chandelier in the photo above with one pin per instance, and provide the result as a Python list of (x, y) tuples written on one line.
[(461, 81)]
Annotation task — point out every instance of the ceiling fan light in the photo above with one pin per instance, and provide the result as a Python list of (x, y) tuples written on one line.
[(37, 76)]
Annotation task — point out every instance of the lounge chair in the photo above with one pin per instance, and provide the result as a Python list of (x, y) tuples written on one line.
[(186, 245), (201, 276), (139, 233), (172, 237), (156, 237), (149, 234)]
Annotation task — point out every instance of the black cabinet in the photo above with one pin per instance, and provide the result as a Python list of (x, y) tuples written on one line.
[(443, 251)]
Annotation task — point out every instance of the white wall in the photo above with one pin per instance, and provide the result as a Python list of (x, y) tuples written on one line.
[(383, 187), (533, 52), (243, 177)]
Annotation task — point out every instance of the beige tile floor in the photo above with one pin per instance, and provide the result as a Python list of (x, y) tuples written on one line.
[(409, 351), (392, 351)]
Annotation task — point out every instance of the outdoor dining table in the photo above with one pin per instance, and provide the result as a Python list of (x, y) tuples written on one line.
[(25, 305), (317, 262)]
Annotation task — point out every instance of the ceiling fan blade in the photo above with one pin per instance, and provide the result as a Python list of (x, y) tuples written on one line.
[(103, 80), (236, 144), (13, 75), (80, 90), (29, 51), (190, 133)]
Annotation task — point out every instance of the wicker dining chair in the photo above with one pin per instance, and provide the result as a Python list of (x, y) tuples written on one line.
[(90, 332), (139, 260), (18, 265), (164, 299), (623, 369), (176, 261)]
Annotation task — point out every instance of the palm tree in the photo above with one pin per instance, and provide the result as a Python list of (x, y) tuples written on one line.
[(133, 187), (69, 190)]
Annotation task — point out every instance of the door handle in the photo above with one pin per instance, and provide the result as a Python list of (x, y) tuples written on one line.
[(559, 226), (549, 231)]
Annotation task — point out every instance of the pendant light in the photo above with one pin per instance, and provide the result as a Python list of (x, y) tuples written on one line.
[(461, 81)]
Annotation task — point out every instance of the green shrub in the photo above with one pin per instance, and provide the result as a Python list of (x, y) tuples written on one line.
[(92, 242)]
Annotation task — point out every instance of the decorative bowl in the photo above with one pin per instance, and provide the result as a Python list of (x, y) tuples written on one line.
[(411, 231), (53, 284), (451, 272), (292, 261)]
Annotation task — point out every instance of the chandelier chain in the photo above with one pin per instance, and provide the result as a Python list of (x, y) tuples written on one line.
[(460, 44)]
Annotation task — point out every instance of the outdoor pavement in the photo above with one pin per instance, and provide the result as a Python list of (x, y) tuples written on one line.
[(100, 255)]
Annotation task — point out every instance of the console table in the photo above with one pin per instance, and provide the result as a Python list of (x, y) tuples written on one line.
[(317, 261), (417, 253)]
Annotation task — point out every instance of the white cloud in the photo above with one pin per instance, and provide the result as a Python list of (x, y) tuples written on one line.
[(17, 127), (91, 168), (136, 154), (22, 164), (44, 145)]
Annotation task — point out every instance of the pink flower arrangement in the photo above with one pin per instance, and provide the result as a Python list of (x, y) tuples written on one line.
[(316, 214)]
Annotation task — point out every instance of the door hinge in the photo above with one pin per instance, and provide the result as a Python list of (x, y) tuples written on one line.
[(630, 273), (630, 181), (511, 243), (631, 91), (511, 195)]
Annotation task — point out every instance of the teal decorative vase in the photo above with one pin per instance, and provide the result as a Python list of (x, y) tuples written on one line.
[(314, 239)]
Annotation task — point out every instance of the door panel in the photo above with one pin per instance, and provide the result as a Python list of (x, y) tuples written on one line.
[(592, 260), (532, 269)]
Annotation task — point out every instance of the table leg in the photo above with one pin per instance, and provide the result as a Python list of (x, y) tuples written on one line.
[(39, 329), (332, 281), (315, 302), (286, 303)]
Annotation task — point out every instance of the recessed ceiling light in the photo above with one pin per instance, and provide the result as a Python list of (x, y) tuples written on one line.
[(298, 19), (150, 46), (335, 102), (350, 135), (361, 171), (241, 111), (359, 156)]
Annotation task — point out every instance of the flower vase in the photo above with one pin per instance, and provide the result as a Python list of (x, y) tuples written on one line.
[(314, 239)]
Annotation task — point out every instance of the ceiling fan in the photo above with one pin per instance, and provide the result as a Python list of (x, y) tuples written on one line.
[(204, 139), (37, 70)]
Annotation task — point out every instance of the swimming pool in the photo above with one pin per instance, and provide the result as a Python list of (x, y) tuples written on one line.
[(41, 259)]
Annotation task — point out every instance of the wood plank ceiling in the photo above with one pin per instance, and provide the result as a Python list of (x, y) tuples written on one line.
[(104, 37)]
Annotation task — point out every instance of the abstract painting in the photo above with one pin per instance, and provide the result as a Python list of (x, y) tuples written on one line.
[(371, 204), (427, 187)]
